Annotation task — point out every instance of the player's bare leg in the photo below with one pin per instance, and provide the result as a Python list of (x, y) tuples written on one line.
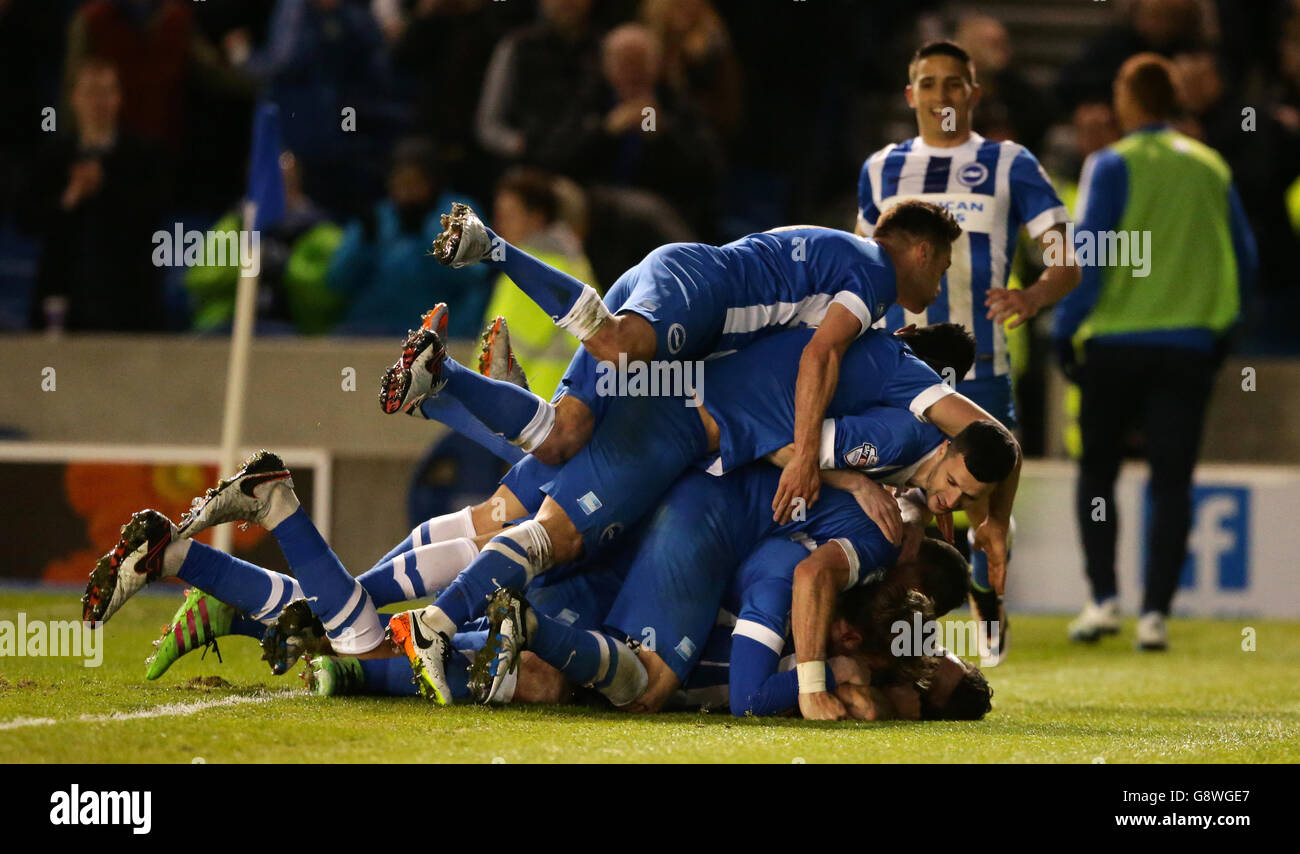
[(539, 682), (490, 517), (573, 425), (623, 333)]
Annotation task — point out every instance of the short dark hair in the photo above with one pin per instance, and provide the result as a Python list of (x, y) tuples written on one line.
[(943, 47), (943, 345), (990, 450), (535, 189), (945, 575), (971, 699), (1149, 78), (919, 221)]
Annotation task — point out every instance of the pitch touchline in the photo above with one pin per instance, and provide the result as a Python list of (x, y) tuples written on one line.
[(168, 710)]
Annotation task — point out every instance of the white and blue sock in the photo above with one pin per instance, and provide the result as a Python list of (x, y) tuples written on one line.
[(420, 571), (589, 658), (257, 592), (568, 301), (511, 559), (343, 606), (450, 411), (424, 563)]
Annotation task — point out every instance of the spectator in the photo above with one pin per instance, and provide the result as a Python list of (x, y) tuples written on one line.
[(442, 52), (1008, 101), (1264, 161), (325, 56), (154, 45), (94, 199), (382, 269), (1165, 27), (628, 129), (698, 59), (1092, 128), (625, 226), (527, 214), (1243, 29), (29, 80), (532, 77), (296, 252)]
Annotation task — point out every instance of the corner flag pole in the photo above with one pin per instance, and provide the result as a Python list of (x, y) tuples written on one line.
[(263, 205), (241, 340)]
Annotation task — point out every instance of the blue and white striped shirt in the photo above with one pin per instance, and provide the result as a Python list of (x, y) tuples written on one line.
[(993, 189)]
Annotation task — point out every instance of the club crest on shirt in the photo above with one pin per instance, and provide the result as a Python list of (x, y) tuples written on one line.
[(864, 456), (972, 174)]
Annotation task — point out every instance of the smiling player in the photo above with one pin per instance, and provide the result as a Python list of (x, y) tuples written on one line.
[(994, 189)]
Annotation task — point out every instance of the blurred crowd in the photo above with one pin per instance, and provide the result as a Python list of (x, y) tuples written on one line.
[(590, 130)]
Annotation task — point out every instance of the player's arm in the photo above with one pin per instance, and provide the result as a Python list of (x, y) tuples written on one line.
[(877, 439), (953, 413), (1061, 276), (1035, 203), (819, 372), (817, 580)]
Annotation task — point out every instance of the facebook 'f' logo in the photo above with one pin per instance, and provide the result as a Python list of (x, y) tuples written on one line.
[(1218, 546)]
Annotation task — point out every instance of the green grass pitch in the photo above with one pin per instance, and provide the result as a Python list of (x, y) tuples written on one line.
[(1207, 700)]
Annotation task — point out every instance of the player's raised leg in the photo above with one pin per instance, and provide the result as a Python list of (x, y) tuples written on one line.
[(511, 559), (262, 492), (574, 306), (584, 657)]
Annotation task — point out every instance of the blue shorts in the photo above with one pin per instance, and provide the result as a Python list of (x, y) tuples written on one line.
[(995, 396), (637, 451), (580, 599), (761, 588), (526, 479), (670, 598), (666, 291), (687, 319), (709, 685)]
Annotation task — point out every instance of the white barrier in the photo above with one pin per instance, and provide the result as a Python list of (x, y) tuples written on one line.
[(318, 459), (1243, 550)]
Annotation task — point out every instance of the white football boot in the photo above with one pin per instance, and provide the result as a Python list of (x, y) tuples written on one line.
[(1152, 634), (1094, 621), (416, 375), (427, 650), (496, 358), (135, 562), (507, 637), (464, 239), (261, 490)]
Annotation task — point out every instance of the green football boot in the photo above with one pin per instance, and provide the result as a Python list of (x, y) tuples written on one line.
[(334, 676), (199, 621)]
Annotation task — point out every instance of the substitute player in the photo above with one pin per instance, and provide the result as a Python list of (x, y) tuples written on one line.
[(993, 189)]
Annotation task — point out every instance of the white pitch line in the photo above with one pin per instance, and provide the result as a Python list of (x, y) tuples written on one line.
[(168, 710)]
